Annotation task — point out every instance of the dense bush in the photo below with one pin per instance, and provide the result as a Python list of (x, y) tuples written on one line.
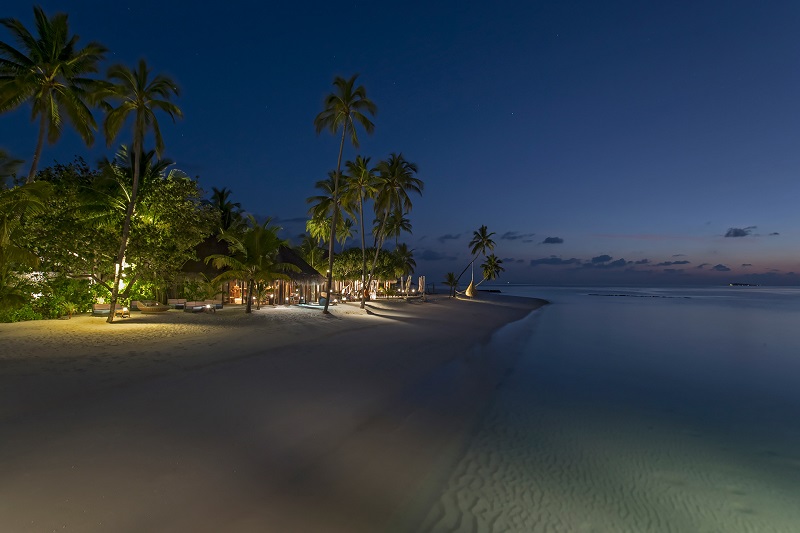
[(23, 313)]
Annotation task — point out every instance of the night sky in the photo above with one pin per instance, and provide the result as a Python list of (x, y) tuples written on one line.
[(603, 142)]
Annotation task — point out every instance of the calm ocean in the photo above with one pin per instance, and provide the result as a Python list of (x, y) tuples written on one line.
[(640, 410)]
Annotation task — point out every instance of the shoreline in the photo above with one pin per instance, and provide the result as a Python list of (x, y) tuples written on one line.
[(211, 377)]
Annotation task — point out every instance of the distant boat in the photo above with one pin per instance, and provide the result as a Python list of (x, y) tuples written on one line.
[(743, 285)]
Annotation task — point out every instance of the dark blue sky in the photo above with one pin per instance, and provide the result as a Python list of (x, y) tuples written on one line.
[(637, 133)]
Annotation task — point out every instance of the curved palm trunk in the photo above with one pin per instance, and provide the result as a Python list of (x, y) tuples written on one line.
[(363, 246), (378, 246), (38, 153), (465, 269), (126, 225), (334, 221)]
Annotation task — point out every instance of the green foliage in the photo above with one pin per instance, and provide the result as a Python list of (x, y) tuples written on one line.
[(49, 70), (201, 288), (347, 265), (26, 312), (253, 257)]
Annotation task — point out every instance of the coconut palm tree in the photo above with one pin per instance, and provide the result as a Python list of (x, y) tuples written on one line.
[(345, 231), (451, 281), (344, 108), (141, 96), (322, 204), (310, 250), (491, 268), (481, 241), (360, 185), (229, 211), (394, 225), (253, 258), (396, 179), (319, 228), (49, 70)]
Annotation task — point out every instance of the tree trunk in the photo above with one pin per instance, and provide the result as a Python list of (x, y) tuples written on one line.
[(378, 246), (363, 244), (465, 268), (335, 220), (38, 153), (249, 308), (126, 225)]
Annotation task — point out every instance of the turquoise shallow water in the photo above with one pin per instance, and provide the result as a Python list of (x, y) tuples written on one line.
[(674, 410)]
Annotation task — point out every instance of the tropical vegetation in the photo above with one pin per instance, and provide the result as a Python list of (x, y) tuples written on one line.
[(72, 234)]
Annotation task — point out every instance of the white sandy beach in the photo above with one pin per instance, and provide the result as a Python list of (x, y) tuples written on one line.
[(283, 420)]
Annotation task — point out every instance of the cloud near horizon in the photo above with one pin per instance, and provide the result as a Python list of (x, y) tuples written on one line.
[(720, 268), (670, 263), (448, 237), (602, 258), (554, 260), (431, 255), (740, 232), (553, 240), (515, 235)]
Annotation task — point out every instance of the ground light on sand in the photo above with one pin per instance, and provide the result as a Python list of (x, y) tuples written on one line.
[(234, 422)]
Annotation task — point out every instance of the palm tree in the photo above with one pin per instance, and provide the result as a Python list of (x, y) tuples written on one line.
[(481, 241), (360, 185), (405, 264), (229, 211), (311, 251), (319, 228), (345, 231), (451, 281), (49, 71), (395, 181), (343, 109), (141, 96), (491, 268), (322, 204), (394, 225), (253, 258)]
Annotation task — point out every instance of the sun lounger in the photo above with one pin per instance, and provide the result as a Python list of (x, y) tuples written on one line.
[(104, 310), (152, 307), (176, 303)]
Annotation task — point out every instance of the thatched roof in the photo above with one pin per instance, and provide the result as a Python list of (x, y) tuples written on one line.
[(307, 273), (211, 246)]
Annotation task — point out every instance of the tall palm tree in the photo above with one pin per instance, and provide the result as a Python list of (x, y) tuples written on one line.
[(344, 108), (253, 258), (141, 96), (396, 179), (481, 241), (49, 70), (491, 268), (360, 185), (228, 211), (451, 281)]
